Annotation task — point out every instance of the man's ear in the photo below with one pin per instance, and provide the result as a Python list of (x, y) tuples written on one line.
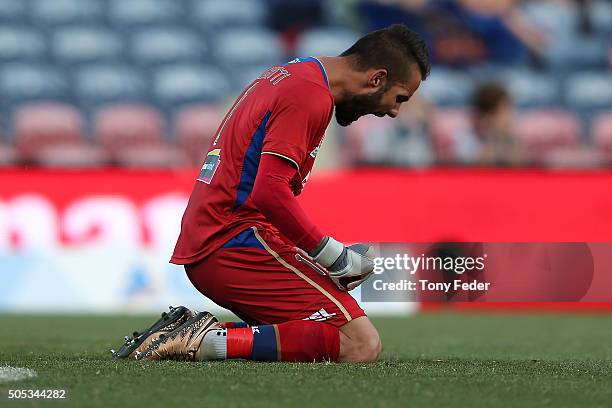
[(377, 78)]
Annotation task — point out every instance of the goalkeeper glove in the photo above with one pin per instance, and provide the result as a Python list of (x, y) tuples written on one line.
[(348, 267)]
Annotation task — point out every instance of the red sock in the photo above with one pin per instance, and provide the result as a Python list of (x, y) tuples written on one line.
[(299, 341)]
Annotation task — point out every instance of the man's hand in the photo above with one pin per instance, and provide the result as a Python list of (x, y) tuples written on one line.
[(348, 267)]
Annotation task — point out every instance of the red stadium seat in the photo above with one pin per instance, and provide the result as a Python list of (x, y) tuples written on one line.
[(81, 155), (133, 135), (41, 125), (120, 126), (573, 157), (194, 129), (445, 125), (356, 149), (8, 155), (602, 134), (542, 131), (152, 156)]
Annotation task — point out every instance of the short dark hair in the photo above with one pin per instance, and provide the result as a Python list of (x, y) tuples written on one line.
[(488, 97), (392, 48)]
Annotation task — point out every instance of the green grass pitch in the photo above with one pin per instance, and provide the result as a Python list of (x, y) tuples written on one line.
[(429, 360)]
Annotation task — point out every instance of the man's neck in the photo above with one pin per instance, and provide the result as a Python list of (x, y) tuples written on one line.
[(339, 75)]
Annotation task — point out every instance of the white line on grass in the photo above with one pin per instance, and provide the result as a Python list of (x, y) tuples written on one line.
[(8, 373)]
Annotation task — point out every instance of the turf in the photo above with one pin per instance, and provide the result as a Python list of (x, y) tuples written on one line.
[(429, 360)]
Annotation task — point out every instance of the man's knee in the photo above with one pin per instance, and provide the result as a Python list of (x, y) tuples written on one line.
[(368, 349), (360, 342)]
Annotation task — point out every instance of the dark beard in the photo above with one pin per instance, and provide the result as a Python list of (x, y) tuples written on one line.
[(357, 106)]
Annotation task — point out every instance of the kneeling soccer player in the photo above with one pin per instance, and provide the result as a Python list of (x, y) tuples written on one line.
[(245, 241)]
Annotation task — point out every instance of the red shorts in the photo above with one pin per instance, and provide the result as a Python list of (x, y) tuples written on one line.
[(264, 280)]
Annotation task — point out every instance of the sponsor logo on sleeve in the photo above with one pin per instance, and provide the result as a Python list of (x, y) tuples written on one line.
[(211, 163)]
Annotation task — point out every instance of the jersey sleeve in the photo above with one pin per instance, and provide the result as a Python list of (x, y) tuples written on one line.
[(274, 198), (299, 115)]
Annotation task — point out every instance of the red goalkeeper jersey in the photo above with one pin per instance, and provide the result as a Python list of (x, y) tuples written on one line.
[(284, 112)]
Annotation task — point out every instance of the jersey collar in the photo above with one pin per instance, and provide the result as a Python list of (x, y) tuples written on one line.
[(313, 59)]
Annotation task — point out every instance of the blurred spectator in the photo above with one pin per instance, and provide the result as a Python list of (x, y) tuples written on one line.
[(488, 140), (291, 17), (575, 40), (463, 31), (295, 14), (503, 28)]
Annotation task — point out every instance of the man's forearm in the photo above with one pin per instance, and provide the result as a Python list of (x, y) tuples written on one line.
[(273, 197)]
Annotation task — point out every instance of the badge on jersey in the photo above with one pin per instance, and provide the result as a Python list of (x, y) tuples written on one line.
[(210, 166)]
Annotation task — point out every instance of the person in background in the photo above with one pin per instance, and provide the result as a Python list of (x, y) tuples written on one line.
[(463, 32), (489, 140), (506, 33)]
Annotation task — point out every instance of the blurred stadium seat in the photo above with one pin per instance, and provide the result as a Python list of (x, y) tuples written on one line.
[(602, 133), (98, 84), (42, 125), (531, 89), (241, 77), (20, 43), (600, 13), (359, 148), (445, 126), (438, 90), (71, 155), (20, 83), (177, 85), (213, 14), (174, 54), (83, 44), (151, 156), (121, 126), (167, 44), (542, 131), (8, 155), (325, 41), (194, 129), (247, 46), (589, 90), (58, 12), (558, 19), (133, 136), (12, 10), (575, 157), (128, 14), (577, 52)]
